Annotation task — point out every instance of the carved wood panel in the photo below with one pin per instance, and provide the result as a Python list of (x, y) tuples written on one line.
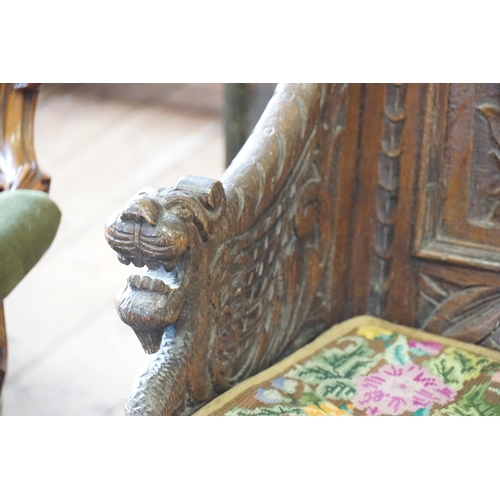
[(458, 225), (459, 217), (425, 237)]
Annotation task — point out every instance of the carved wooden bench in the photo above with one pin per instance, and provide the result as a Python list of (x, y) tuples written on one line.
[(346, 200)]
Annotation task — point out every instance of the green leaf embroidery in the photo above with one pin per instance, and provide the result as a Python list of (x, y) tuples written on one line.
[(455, 366), (472, 404), (309, 398), (272, 411), (337, 389), (334, 371)]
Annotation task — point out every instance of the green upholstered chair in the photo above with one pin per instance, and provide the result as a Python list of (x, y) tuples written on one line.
[(28, 217), (28, 224)]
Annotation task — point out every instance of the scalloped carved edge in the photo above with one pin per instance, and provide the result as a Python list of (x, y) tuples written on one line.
[(387, 196)]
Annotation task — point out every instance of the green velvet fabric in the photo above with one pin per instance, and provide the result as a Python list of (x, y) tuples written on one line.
[(28, 224)]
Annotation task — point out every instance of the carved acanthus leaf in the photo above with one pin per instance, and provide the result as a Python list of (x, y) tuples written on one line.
[(492, 113), (469, 314), (487, 187)]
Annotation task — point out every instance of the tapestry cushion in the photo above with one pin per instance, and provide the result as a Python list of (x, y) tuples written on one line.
[(368, 366), (28, 224)]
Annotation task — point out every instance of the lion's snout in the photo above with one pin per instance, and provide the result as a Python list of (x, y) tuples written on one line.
[(143, 233), (142, 209)]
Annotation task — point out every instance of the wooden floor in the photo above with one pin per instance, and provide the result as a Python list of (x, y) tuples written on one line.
[(69, 354)]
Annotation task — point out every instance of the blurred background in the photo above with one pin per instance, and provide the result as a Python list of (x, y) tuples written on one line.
[(69, 353)]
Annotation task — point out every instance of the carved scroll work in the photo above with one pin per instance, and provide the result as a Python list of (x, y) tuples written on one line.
[(234, 267), (469, 312), (18, 167)]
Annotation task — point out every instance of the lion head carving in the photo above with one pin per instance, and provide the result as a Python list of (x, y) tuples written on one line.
[(157, 230)]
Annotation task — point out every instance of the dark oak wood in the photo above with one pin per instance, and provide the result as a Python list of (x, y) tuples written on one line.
[(345, 200), (18, 166)]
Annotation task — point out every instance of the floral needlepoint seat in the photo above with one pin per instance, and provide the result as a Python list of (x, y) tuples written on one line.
[(368, 366)]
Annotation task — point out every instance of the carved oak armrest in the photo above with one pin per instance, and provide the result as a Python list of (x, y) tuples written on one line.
[(18, 166), (237, 270)]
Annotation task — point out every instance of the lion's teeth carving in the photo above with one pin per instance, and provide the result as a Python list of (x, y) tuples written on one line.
[(158, 286), (146, 283), (153, 265), (138, 262), (123, 259), (134, 281), (169, 266)]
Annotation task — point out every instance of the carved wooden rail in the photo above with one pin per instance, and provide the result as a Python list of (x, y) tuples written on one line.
[(236, 269), (18, 166)]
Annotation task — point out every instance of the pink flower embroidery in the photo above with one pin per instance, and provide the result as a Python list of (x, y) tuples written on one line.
[(394, 389), (432, 348)]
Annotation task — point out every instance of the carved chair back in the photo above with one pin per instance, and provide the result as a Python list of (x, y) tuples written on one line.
[(425, 221), (345, 200)]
